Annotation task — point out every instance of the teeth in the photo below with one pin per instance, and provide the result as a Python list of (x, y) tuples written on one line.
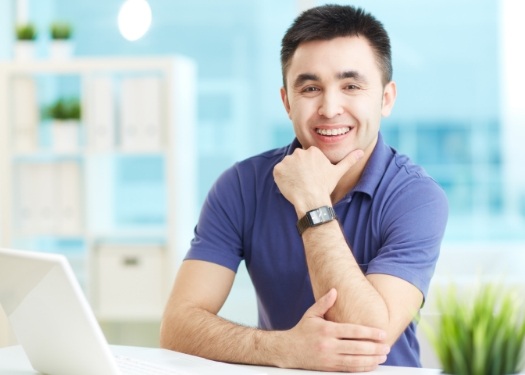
[(333, 131)]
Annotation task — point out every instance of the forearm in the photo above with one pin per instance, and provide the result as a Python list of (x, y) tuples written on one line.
[(313, 344), (331, 264), (198, 332)]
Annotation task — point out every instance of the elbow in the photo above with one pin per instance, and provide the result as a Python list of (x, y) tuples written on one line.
[(170, 333), (179, 329), (166, 340), (377, 316), (379, 319)]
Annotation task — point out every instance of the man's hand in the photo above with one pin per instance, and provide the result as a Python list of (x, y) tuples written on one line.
[(307, 178), (322, 345)]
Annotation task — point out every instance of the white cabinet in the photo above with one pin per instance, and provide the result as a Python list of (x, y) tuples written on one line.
[(135, 111), (129, 282)]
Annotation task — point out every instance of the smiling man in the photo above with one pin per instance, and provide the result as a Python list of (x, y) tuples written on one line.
[(340, 234)]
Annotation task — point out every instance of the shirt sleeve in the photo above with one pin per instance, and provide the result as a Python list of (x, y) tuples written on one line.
[(218, 233), (412, 230)]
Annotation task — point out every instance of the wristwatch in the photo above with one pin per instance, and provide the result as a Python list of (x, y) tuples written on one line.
[(315, 217)]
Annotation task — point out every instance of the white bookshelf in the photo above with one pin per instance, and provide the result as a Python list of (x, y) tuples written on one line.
[(137, 263)]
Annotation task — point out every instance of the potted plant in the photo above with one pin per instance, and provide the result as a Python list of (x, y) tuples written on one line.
[(480, 332), (61, 47), (26, 34), (65, 126)]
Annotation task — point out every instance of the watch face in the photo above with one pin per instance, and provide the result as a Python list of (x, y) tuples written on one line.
[(320, 215), (315, 217)]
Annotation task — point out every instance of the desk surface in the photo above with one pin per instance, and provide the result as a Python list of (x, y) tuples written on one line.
[(13, 361)]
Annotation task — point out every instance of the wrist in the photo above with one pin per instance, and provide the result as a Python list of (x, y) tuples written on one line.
[(315, 217), (282, 345), (272, 348), (303, 207)]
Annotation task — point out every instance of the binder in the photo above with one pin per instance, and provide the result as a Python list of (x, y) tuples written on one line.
[(36, 198), (99, 114), (45, 189), (69, 210), (129, 114), (26, 199), (150, 129), (141, 117), (25, 115), (49, 198)]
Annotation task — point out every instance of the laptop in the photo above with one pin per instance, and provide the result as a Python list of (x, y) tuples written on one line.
[(54, 323)]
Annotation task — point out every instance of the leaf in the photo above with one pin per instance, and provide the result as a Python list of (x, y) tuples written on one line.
[(480, 335)]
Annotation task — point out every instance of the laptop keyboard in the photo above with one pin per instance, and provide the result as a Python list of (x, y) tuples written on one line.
[(134, 366)]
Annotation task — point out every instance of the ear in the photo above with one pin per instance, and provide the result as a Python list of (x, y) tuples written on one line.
[(284, 98), (389, 98)]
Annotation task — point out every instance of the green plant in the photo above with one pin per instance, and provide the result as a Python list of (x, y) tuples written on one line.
[(60, 30), (480, 333), (64, 109), (26, 31)]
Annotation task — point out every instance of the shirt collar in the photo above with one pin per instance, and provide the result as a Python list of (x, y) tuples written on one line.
[(291, 148), (375, 168)]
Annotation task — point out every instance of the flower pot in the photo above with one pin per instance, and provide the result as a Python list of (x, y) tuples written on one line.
[(61, 49), (65, 135), (24, 50)]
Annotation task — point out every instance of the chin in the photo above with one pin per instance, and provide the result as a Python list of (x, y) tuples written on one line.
[(335, 158)]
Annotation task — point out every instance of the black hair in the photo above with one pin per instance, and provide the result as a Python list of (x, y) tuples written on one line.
[(330, 21)]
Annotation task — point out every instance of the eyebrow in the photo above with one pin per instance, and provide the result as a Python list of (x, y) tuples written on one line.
[(302, 78), (351, 74)]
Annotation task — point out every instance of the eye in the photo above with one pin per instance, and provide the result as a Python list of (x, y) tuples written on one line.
[(352, 87), (310, 89)]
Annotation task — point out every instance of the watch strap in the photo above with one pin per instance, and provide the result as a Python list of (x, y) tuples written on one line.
[(315, 217)]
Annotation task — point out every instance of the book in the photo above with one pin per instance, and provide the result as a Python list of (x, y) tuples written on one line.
[(25, 115), (99, 113)]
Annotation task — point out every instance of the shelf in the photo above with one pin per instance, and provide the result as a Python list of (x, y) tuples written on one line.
[(47, 155), (133, 111), (85, 65)]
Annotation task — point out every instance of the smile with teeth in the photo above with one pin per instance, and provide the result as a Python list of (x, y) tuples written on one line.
[(332, 132)]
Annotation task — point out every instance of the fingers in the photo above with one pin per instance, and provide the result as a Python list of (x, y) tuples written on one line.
[(365, 348), (359, 332), (323, 304), (358, 364), (344, 164), (359, 356), (353, 356), (349, 160), (330, 346)]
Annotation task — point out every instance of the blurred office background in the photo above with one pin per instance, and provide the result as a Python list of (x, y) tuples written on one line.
[(459, 67)]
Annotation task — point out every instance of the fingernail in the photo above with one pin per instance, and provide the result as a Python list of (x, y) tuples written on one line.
[(359, 154)]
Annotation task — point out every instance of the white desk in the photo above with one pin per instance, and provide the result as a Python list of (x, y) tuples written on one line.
[(13, 361)]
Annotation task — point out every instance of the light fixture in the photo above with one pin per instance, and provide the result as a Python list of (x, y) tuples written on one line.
[(134, 19)]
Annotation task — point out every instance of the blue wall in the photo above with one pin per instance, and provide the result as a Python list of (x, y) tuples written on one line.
[(446, 65)]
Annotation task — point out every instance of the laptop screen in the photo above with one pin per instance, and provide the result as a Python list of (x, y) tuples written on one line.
[(50, 315)]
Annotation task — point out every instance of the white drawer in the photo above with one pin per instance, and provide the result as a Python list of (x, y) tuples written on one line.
[(130, 282)]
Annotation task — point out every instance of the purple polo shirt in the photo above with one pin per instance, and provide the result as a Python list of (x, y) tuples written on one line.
[(394, 220)]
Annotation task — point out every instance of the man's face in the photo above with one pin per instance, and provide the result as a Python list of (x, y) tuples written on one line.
[(335, 96)]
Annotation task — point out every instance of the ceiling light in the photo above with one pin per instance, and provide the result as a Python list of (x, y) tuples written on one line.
[(134, 19)]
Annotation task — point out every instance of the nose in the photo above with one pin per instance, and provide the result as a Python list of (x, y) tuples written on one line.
[(330, 105)]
